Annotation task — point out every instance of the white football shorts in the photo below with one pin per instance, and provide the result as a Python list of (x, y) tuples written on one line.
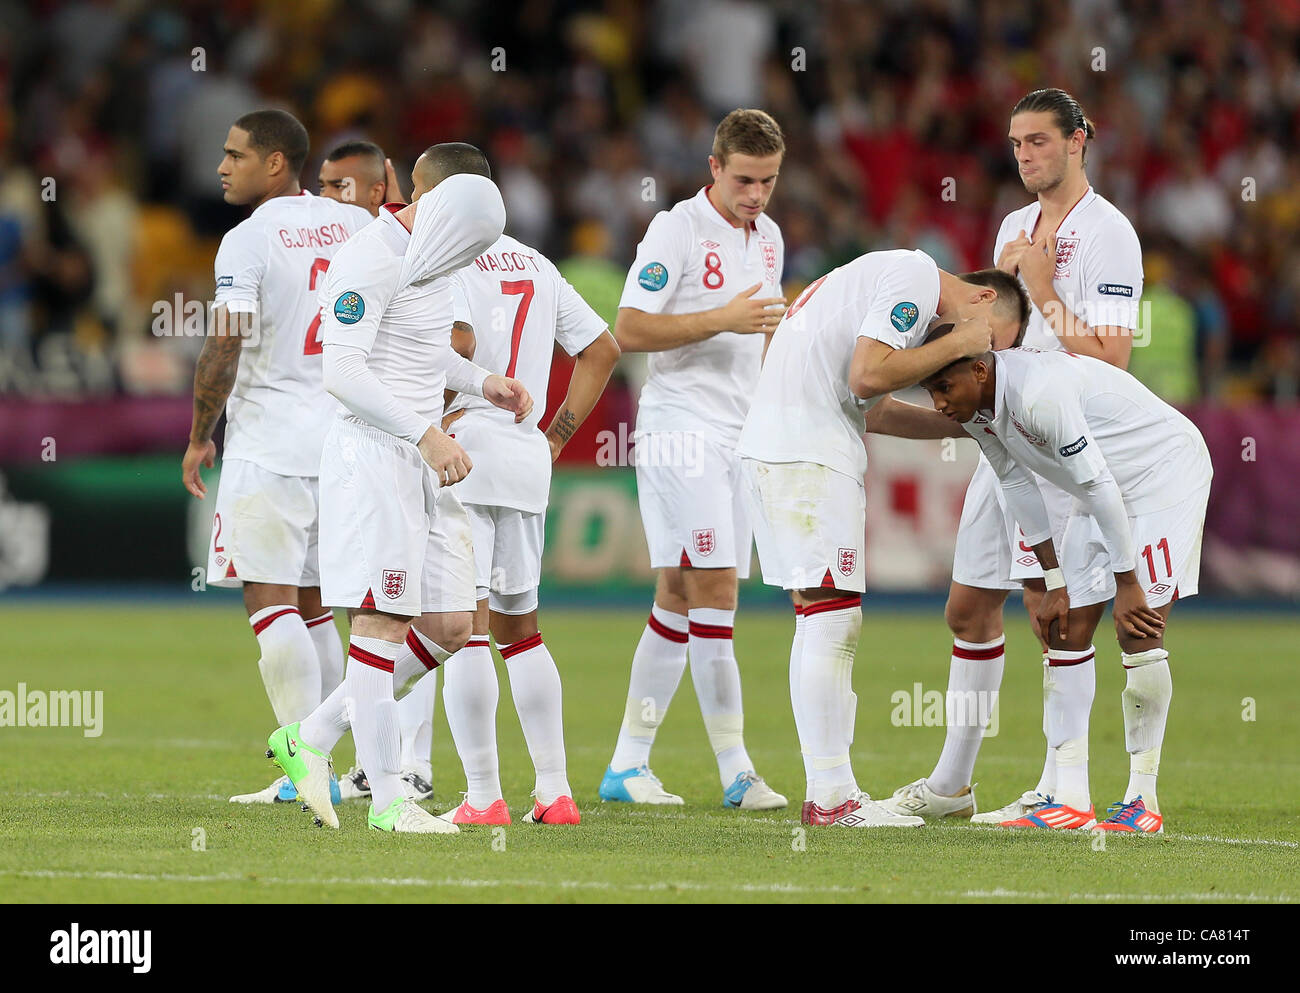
[(392, 539), (264, 529), (1168, 560), (507, 551), (810, 525), (692, 503)]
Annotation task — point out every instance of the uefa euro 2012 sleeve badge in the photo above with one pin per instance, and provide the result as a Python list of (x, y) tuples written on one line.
[(349, 307), (653, 276), (903, 316)]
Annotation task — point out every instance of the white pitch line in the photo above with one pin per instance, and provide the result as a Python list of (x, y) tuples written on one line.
[(664, 887), (1235, 841)]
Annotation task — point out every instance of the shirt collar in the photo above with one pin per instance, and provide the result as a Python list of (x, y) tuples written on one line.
[(301, 197), (710, 210)]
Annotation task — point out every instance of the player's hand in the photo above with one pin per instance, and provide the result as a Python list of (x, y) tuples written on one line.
[(1053, 614), (748, 314), (508, 394), (974, 335), (196, 454), (449, 419), (449, 462), (1132, 615), (1038, 266), (392, 188), (1009, 260)]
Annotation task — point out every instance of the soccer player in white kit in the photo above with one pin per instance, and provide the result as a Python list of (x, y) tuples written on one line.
[(395, 539), (1139, 473), (262, 363), (520, 307), (1081, 263), (851, 337), (359, 172), (702, 294)]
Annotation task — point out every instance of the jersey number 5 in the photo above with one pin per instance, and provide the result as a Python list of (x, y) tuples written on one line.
[(523, 288), (312, 345)]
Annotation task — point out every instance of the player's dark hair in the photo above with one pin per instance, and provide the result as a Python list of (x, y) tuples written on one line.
[(748, 132), (365, 149), (455, 158), (277, 131), (942, 331), (1069, 115), (1013, 302)]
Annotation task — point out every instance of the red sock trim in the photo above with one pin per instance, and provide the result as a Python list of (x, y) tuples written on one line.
[(698, 630), (798, 610), (266, 622), (417, 648), (522, 645), (839, 603), (1068, 662), (320, 620), (478, 641), (368, 601), (979, 654), (370, 658), (665, 632)]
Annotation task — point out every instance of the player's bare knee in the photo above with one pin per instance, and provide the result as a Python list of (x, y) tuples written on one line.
[(710, 588), (449, 631), (670, 593), (259, 596), (974, 615), (510, 628)]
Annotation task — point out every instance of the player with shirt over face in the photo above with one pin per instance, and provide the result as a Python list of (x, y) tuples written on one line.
[(701, 297), (851, 337), (262, 363), (1139, 473), (1080, 261), (519, 308), (395, 539)]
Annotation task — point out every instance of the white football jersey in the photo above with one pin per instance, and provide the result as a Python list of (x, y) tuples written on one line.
[(1068, 417), (406, 332), (1098, 265), (270, 265), (519, 307), (803, 409), (692, 259)]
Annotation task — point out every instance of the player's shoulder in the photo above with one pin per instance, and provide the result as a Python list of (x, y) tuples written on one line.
[(508, 244), (350, 214), (1104, 219), (1016, 221)]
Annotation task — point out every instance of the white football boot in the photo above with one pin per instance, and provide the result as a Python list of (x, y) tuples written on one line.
[(1028, 802), (919, 800), (860, 811), (405, 816), (748, 791), (638, 785)]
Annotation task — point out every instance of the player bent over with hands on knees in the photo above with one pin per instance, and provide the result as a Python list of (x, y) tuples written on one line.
[(851, 338), (1139, 472), (396, 543)]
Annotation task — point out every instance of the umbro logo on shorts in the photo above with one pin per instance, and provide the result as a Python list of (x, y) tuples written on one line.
[(1160, 589)]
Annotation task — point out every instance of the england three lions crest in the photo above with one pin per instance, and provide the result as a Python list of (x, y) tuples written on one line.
[(848, 563), (768, 249), (704, 543), (1065, 252), (394, 583)]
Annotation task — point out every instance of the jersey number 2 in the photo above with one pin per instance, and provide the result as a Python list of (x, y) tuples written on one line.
[(523, 288), (312, 345)]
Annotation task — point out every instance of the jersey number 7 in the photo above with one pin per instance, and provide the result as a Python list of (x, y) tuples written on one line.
[(524, 289), (312, 345)]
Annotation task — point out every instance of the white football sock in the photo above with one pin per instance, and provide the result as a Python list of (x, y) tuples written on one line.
[(1146, 709), (290, 669), (375, 730), (325, 725), (800, 724), (830, 640), (470, 694), (418, 656), (974, 675), (1047, 779), (539, 701), (1072, 684), (415, 717), (657, 668), (717, 686), (329, 651)]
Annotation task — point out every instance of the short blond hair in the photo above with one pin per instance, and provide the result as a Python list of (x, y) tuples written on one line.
[(748, 132)]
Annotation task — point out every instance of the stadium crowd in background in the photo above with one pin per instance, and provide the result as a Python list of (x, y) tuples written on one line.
[(597, 115)]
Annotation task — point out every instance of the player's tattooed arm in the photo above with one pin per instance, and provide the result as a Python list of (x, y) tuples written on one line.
[(214, 378), (591, 373)]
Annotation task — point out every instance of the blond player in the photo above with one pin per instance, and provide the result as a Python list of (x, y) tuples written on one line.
[(262, 363), (703, 293), (1139, 473), (520, 307), (1079, 259), (852, 337), (396, 542)]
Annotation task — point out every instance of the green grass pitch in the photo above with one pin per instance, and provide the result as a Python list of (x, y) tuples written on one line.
[(140, 813)]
